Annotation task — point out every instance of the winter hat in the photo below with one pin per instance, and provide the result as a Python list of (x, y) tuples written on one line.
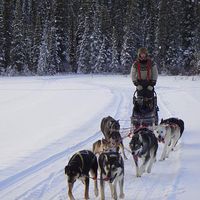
[(142, 50)]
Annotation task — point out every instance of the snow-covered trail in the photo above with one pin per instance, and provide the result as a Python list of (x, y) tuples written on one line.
[(41, 175)]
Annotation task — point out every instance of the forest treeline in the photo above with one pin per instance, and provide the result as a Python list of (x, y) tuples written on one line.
[(98, 36)]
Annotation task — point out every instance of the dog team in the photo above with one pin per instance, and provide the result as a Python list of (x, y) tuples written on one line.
[(105, 156)]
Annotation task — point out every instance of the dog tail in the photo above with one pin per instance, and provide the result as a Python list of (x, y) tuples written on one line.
[(181, 125)]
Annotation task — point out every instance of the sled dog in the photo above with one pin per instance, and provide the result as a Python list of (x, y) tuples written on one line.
[(109, 125), (101, 146), (143, 145), (110, 128), (112, 170), (176, 121), (168, 133), (79, 166)]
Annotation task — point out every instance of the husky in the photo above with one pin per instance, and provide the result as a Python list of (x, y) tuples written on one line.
[(168, 133), (173, 120), (100, 146), (111, 167), (79, 166), (109, 125), (110, 128), (144, 145)]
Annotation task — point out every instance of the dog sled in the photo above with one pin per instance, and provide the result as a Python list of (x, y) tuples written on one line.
[(145, 110)]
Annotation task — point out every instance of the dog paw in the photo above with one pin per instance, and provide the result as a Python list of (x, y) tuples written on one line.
[(114, 196), (121, 196)]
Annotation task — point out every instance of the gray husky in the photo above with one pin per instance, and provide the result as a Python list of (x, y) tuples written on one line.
[(144, 145), (108, 126), (112, 170), (111, 130)]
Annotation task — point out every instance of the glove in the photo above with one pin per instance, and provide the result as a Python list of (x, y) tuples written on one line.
[(139, 87), (152, 83), (150, 88)]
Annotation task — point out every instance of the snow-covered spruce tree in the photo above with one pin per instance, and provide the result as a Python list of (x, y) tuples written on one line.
[(8, 16), (131, 38), (37, 38), (174, 42), (188, 33), (101, 64), (54, 59), (2, 39), (62, 35), (79, 33), (18, 43), (151, 26), (162, 36), (195, 63), (28, 24), (43, 56), (85, 49), (115, 65), (96, 37)]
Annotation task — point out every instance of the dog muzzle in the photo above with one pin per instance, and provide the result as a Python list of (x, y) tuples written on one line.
[(161, 139)]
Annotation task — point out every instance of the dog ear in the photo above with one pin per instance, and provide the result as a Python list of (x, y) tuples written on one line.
[(161, 120)]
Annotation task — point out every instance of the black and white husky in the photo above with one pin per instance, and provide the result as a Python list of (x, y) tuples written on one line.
[(112, 170), (144, 145), (169, 131)]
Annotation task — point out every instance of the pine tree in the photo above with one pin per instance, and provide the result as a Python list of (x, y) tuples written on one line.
[(151, 26), (85, 49), (43, 56), (7, 16), (162, 35), (132, 38), (37, 38), (96, 37), (101, 64), (78, 36), (115, 65), (188, 33), (174, 54), (62, 35), (2, 39), (28, 26), (54, 48), (18, 43)]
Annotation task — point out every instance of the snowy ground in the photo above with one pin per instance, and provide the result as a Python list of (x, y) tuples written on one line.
[(46, 120)]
